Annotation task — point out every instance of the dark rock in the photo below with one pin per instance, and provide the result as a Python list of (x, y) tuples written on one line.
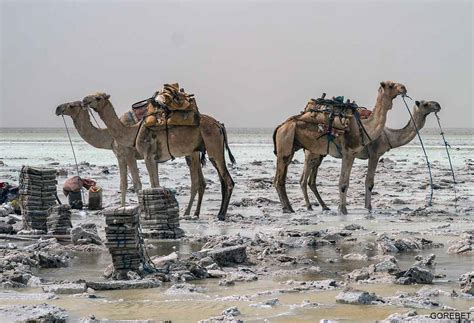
[(85, 233), (356, 297), (123, 284), (229, 255), (43, 313), (416, 275), (467, 283)]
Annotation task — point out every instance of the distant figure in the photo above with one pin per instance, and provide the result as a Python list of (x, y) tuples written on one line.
[(136, 114)]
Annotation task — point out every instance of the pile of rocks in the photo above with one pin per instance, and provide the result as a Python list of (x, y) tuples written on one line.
[(59, 220), (123, 239), (160, 214), (37, 195)]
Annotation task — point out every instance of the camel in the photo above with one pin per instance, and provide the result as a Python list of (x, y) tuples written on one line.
[(293, 135), (161, 145), (127, 157), (390, 139)]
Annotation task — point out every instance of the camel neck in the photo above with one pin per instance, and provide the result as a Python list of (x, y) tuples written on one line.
[(375, 124), (401, 137), (98, 138), (124, 135)]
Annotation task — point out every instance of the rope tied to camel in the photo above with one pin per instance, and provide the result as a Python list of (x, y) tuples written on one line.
[(73, 153), (447, 146), (422, 146)]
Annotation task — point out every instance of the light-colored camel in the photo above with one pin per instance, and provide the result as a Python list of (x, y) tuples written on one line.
[(390, 138), (127, 157), (293, 135), (161, 145)]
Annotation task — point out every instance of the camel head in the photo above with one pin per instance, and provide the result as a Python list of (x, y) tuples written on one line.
[(392, 89), (96, 102), (427, 107), (71, 109)]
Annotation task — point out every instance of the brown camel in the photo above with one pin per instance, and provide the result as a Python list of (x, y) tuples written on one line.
[(159, 145), (294, 134), (390, 138), (127, 157)]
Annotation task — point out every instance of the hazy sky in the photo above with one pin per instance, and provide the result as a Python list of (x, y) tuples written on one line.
[(249, 63)]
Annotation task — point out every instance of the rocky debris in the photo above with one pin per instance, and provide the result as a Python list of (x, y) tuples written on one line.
[(306, 304), (184, 288), (227, 316), (382, 272), (231, 311), (123, 240), (59, 220), (463, 246), (415, 275), (353, 227), (85, 233), (6, 228), (37, 194), (387, 244), (258, 201), (49, 253), (65, 288), (467, 283), (310, 285), (123, 284), (160, 213), (412, 300), (428, 261), (411, 316), (269, 303), (43, 313), (228, 256), (355, 256), (357, 297), (161, 261)]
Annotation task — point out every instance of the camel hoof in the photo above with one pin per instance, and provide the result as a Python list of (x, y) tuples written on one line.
[(288, 210), (309, 208), (343, 210), (221, 217), (325, 208)]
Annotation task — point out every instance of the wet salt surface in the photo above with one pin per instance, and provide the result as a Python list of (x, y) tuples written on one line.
[(253, 174)]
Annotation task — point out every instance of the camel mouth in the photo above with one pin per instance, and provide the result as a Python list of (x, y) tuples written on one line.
[(60, 109)]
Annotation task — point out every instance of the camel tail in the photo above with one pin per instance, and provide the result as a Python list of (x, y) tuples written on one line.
[(226, 143), (274, 140)]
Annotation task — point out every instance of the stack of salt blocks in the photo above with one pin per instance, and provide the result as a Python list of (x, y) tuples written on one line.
[(59, 220), (160, 214), (123, 239), (37, 194)]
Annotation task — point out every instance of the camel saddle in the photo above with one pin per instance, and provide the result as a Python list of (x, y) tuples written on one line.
[(172, 107), (332, 115)]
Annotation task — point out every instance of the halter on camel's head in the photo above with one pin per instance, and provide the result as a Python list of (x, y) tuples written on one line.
[(95, 101), (393, 89), (71, 109)]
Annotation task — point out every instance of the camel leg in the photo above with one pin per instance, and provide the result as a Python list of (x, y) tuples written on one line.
[(304, 179), (122, 163), (312, 180), (369, 181), (152, 167), (280, 181), (190, 161), (227, 184), (347, 161), (201, 189), (135, 173)]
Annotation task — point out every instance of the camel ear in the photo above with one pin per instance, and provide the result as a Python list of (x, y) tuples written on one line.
[(382, 84), (107, 96), (417, 103)]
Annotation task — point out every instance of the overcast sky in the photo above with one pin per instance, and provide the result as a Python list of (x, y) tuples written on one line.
[(249, 63)]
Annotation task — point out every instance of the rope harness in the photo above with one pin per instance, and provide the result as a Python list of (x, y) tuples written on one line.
[(332, 115), (423, 147), (166, 109), (73, 153), (446, 145)]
